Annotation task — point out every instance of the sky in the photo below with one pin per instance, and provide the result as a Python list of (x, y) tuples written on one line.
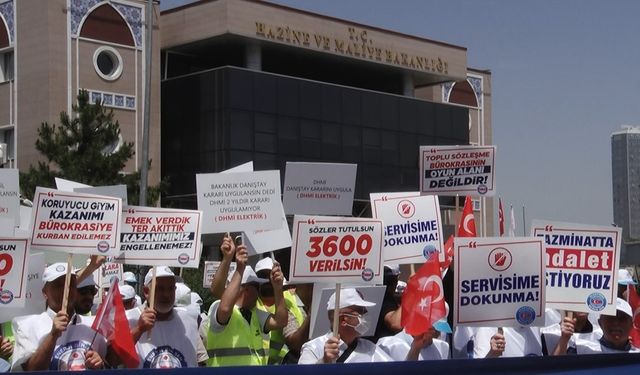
[(565, 75)]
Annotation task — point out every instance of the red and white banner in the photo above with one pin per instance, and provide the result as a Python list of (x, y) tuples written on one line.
[(160, 237), (336, 250), (75, 223), (457, 170), (14, 257), (412, 226), (499, 282), (582, 265)]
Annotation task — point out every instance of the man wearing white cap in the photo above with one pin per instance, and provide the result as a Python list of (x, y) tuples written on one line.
[(615, 333), (624, 280), (237, 330), (86, 291), (130, 279), (348, 347), (172, 340), (56, 339)]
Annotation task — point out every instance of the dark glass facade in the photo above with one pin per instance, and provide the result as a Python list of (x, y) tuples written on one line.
[(220, 118)]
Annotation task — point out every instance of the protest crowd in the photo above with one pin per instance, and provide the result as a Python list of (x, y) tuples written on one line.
[(318, 314)]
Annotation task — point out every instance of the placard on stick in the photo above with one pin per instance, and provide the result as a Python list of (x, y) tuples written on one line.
[(14, 259)]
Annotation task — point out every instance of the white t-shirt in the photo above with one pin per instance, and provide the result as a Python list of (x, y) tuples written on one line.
[(519, 341), (71, 346), (398, 346), (590, 347), (461, 337), (552, 336), (174, 343), (366, 351)]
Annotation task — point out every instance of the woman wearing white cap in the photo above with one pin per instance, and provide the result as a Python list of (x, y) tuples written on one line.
[(349, 347)]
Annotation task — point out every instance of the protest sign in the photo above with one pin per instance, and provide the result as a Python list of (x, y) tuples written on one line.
[(9, 195), (457, 170), (336, 249), (116, 191), (582, 265), (14, 259), (34, 300), (210, 269), (499, 282), (68, 185), (320, 323), (264, 241), (107, 272), (412, 226), (75, 223), (160, 237), (319, 188), (243, 201)]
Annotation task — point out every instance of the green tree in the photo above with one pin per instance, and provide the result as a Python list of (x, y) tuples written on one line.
[(83, 149)]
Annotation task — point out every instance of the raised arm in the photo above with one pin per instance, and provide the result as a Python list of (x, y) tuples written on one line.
[(228, 249), (231, 293), (278, 319)]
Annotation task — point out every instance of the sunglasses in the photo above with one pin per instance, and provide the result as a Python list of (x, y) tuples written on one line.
[(88, 290)]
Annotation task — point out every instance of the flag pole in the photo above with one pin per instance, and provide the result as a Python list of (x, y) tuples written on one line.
[(336, 312), (524, 224), (67, 283)]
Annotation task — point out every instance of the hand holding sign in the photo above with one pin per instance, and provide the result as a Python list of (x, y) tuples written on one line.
[(276, 276), (242, 257), (228, 248)]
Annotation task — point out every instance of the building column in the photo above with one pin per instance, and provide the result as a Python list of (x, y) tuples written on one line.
[(407, 84), (253, 57)]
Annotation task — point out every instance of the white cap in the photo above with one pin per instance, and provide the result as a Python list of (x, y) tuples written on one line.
[(248, 276), (162, 271), (129, 277), (264, 264), (87, 281), (54, 271), (393, 269), (625, 278), (400, 287), (348, 297), (622, 305), (183, 294), (196, 299), (127, 292)]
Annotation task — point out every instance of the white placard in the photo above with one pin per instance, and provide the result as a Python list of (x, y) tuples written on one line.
[(34, 300), (499, 281), (75, 223), (68, 185), (582, 265), (320, 323), (233, 202), (107, 272), (264, 241), (319, 188), (457, 170), (14, 258), (335, 249), (160, 237), (117, 191), (10, 195), (412, 226), (210, 269)]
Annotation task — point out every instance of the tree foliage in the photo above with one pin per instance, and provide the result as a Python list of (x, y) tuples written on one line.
[(85, 148)]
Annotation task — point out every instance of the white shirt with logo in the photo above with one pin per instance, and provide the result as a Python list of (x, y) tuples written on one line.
[(366, 351), (172, 343), (71, 347), (519, 342), (398, 346)]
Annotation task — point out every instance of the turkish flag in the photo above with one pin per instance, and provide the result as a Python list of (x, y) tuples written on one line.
[(448, 253), (634, 301), (501, 217), (467, 226), (111, 322), (423, 299)]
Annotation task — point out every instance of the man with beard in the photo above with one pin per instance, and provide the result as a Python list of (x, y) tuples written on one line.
[(86, 291), (57, 339), (165, 337)]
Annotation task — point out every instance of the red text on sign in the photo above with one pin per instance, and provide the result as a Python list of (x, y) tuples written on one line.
[(330, 245)]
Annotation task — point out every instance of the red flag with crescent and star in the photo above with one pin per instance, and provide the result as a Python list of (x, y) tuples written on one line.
[(423, 300), (501, 217), (634, 302), (467, 226)]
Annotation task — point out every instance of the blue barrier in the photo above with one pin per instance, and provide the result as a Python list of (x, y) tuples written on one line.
[(601, 364)]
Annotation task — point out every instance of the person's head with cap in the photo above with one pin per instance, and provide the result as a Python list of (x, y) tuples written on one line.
[(616, 329), (129, 279), (263, 270), (249, 286), (625, 279), (87, 289), (165, 295), (53, 288), (390, 278), (352, 310), (128, 295), (183, 294)]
